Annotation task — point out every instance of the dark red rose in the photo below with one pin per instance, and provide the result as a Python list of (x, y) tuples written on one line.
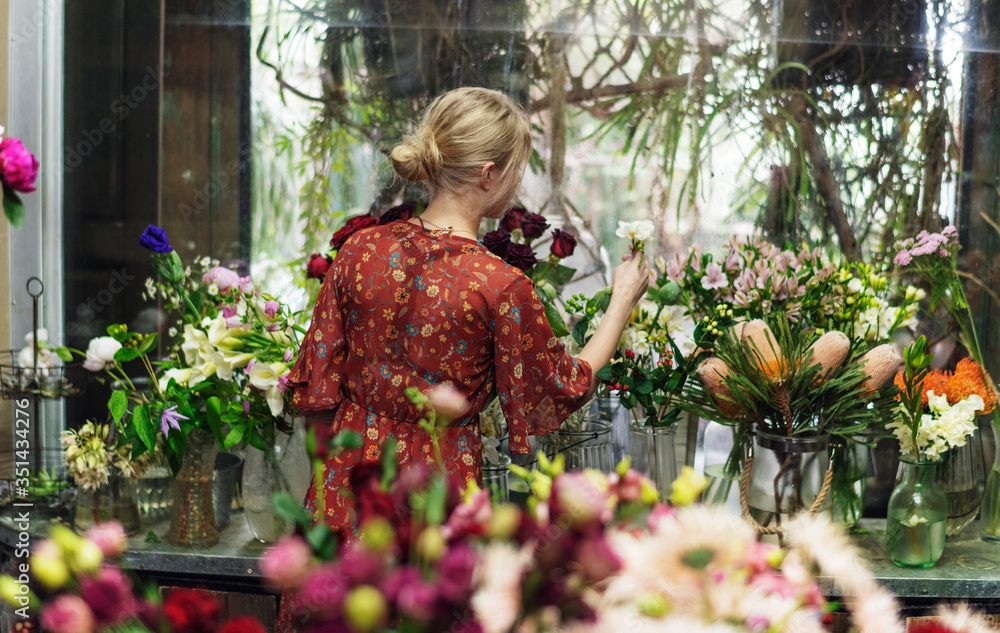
[(498, 242), (533, 226), (191, 611), (317, 266), (563, 243), (353, 225), (402, 211), (246, 624), (512, 220), (520, 256)]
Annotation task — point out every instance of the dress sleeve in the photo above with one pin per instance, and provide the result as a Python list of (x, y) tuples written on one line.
[(319, 368), (539, 383)]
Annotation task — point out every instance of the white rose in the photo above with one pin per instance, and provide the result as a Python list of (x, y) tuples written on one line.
[(43, 337), (100, 352)]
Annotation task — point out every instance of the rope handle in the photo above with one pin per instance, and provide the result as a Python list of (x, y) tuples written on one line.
[(745, 490)]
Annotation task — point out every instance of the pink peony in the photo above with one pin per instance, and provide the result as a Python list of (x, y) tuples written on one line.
[(68, 614), (18, 168), (223, 278), (287, 564), (110, 537)]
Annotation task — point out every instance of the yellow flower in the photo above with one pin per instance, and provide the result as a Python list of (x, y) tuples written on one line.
[(687, 488)]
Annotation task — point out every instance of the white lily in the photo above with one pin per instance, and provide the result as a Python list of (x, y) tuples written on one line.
[(265, 377), (194, 338), (225, 363), (181, 376)]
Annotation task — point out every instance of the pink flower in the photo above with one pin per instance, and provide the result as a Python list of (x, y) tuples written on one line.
[(596, 559), (232, 316), (289, 354), (271, 308), (448, 402), (222, 277), (68, 614), (470, 517), (322, 592), (109, 595), (417, 600), (903, 258), (949, 230), (659, 515), (18, 168), (110, 537), (287, 564), (629, 487), (714, 277), (246, 285), (576, 497), (675, 268)]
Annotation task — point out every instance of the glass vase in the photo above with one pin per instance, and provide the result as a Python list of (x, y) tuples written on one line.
[(849, 459), (654, 454), (586, 447), (989, 509), (283, 467), (917, 516), (786, 476), (116, 500), (495, 479), (192, 514), (958, 476), (611, 409)]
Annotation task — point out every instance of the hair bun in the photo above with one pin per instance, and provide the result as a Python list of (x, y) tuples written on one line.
[(417, 158)]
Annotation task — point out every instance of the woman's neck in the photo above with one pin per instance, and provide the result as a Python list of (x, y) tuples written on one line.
[(448, 210)]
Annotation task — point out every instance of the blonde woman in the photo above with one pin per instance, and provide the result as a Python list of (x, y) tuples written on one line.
[(420, 302)]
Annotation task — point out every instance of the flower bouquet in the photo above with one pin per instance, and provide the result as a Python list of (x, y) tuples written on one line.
[(789, 394), (937, 413), (104, 470), (76, 585), (18, 171), (221, 384)]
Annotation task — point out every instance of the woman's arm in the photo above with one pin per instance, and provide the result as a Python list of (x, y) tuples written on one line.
[(628, 286)]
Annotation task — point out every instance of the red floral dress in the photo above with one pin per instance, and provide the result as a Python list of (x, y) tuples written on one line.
[(403, 306)]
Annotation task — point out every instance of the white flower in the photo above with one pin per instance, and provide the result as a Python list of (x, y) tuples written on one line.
[(181, 376), (714, 277), (265, 377), (641, 231), (46, 358), (43, 337), (226, 362), (490, 452), (914, 521), (100, 352), (854, 286)]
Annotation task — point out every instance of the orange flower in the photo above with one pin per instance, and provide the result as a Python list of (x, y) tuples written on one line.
[(967, 380), (934, 381)]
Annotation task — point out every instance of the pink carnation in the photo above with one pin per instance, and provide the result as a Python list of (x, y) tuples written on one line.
[(109, 537), (222, 277), (68, 614)]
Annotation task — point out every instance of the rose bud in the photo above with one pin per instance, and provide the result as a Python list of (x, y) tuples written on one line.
[(533, 225), (497, 242), (512, 219), (287, 563), (448, 402), (68, 614), (318, 266), (563, 243)]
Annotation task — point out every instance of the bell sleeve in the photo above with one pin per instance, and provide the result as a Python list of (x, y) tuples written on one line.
[(316, 376), (539, 383)]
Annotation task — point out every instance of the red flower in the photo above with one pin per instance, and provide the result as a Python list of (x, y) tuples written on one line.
[(512, 220), (930, 626), (533, 225), (498, 242), (243, 625), (521, 256), (563, 243), (18, 168), (191, 611), (317, 266), (402, 211), (353, 225)]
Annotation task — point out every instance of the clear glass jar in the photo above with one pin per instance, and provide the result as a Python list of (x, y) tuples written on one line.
[(849, 457), (917, 516), (786, 476), (495, 479), (654, 454), (959, 478), (586, 447)]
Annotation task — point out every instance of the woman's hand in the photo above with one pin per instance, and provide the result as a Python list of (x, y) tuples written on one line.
[(631, 279)]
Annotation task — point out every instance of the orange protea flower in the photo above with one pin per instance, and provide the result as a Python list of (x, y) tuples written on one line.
[(774, 370), (935, 381), (967, 380)]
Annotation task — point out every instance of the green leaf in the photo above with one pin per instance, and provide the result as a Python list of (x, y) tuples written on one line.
[(234, 437), (390, 466), (560, 275), (322, 541), (13, 208), (118, 404), (643, 386), (606, 372), (144, 427), (348, 440), (64, 354), (147, 342), (285, 505), (126, 354), (580, 331), (214, 409), (255, 439), (555, 320)]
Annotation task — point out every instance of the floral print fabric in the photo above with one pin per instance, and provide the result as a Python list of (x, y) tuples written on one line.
[(406, 307)]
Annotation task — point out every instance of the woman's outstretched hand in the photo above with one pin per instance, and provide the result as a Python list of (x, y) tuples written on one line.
[(630, 279)]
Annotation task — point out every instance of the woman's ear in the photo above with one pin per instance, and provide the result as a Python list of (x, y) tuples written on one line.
[(486, 180)]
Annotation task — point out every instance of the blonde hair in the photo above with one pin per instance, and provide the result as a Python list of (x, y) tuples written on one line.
[(460, 132)]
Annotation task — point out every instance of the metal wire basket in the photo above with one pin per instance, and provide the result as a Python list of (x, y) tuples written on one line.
[(47, 382)]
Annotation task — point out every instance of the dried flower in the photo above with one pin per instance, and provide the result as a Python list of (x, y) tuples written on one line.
[(880, 364), (829, 351)]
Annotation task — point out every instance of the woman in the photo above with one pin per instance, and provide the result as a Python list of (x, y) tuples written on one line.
[(421, 302)]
